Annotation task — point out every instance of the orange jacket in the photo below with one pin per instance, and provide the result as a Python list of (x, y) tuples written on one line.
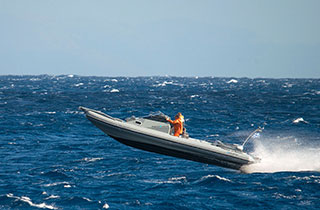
[(177, 125)]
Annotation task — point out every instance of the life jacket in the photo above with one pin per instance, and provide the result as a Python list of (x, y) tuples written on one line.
[(177, 125)]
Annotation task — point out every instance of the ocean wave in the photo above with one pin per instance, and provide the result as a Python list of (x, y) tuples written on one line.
[(29, 201), (110, 80), (78, 84), (173, 180), (181, 178), (312, 178), (299, 120), (114, 91), (105, 206), (57, 174), (289, 197), (194, 96), (56, 183), (91, 159), (232, 81), (52, 197), (207, 177)]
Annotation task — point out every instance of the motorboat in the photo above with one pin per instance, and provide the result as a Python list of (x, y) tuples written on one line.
[(153, 133)]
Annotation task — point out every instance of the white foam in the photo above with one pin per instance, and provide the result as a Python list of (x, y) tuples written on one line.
[(232, 81), (50, 112), (114, 91), (53, 197), (111, 80), (79, 84), (87, 199), (193, 96), (28, 200), (35, 79), (283, 155), (173, 180), (287, 85), (298, 120), (215, 176), (91, 159), (105, 206), (182, 178), (55, 184), (165, 83)]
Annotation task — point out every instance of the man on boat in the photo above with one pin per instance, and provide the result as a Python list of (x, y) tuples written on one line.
[(177, 124)]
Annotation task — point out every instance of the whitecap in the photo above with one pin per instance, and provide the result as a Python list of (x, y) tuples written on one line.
[(71, 112), (215, 176), (35, 79), (92, 159), (193, 96), (70, 75), (55, 184), (50, 112), (79, 84), (232, 81), (213, 135), (28, 200), (287, 85), (114, 91), (87, 199), (170, 181), (298, 120), (105, 206), (67, 186), (289, 197), (182, 178), (52, 197), (165, 83)]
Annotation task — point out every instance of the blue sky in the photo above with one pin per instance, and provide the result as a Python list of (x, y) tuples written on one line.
[(231, 38)]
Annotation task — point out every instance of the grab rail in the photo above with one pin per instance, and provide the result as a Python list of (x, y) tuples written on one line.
[(98, 112)]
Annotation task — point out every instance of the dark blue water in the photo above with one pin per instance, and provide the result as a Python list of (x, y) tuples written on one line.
[(52, 157)]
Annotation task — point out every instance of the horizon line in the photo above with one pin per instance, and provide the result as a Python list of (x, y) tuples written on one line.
[(169, 76)]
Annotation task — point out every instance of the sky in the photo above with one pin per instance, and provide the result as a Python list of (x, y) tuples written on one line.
[(225, 38)]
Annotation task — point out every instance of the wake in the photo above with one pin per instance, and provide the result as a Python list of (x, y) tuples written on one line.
[(283, 154)]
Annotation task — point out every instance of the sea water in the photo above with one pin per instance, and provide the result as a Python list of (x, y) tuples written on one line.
[(52, 157)]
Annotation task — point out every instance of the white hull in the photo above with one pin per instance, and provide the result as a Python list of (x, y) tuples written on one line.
[(163, 143)]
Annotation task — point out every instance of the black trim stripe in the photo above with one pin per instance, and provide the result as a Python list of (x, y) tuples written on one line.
[(178, 154)]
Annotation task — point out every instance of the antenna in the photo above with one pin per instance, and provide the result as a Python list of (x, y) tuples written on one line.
[(249, 137)]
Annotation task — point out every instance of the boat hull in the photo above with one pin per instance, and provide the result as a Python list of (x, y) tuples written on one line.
[(190, 149)]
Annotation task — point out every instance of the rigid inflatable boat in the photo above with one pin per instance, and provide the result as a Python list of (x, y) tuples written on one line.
[(153, 133)]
